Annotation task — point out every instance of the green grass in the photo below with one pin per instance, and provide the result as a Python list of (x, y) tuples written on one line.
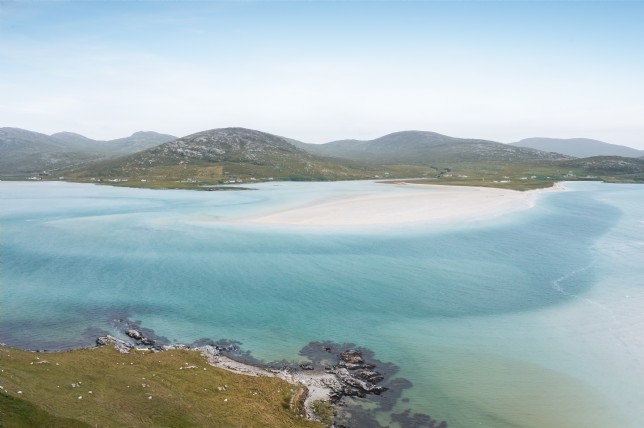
[(517, 175), (172, 388), (324, 411), (16, 413)]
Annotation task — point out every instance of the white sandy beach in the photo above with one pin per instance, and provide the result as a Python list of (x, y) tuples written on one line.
[(409, 204)]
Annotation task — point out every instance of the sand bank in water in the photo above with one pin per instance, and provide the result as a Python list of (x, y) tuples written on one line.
[(407, 204)]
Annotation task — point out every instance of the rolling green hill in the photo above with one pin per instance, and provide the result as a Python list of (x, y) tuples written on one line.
[(227, 155), (207, 159), (421, 147), (25, 152), (609, 168)]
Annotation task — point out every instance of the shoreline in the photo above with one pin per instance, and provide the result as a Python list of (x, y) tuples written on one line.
[(327, 373), (317, 383), (350, 375)]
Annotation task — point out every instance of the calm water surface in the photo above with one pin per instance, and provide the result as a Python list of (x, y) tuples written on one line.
[(531, 320)]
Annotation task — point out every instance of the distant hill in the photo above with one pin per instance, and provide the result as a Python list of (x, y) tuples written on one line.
[(73, 141), (578, 147), (219, 154), (26, 152), (134, 143), (239, 155), (609, 166), (138, 141), (422, 147)]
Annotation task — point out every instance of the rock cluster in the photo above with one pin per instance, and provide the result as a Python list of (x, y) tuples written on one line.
[(351, 373), (306, 366), (121, 345), (138, 336), (356, 378), (139, 341)]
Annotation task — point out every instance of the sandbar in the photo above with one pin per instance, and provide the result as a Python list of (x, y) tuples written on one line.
[(406, 204)]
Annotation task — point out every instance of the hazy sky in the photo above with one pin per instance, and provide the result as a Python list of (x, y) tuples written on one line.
[(324, 70)]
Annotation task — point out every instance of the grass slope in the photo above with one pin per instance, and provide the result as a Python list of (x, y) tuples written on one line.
[(18, 413), (102, 387)]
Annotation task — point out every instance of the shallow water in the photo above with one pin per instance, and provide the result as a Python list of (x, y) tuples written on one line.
[(521, 321)]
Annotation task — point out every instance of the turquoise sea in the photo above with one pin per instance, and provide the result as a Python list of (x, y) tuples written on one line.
[(535, 319)]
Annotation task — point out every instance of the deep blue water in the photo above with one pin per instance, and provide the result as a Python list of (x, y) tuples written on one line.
[(76, 257)]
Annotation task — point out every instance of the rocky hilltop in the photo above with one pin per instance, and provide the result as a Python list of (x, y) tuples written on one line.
[(207, 159), (220, 145), (225, 155)]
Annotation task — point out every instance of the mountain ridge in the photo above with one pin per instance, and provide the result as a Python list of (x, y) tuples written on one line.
[(24, 151), (225, 154), (578, 147), (418, 147), (234, 155)]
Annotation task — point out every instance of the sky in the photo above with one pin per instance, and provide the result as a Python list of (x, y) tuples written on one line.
[(319, 71)]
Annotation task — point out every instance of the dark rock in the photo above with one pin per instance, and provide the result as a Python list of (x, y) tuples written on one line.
[(353, 392), (347, 378), (355, 366), (370, 376), (417, 420), (352, 356), (394, 393), (146, 341), (306, 365), (134, 334), (121, 345)]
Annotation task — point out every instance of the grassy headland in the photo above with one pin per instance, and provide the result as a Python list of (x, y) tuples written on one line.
[(102, 387)]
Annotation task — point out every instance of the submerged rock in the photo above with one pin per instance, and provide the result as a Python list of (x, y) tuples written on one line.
[(370, 376), (352, 356), (417, 420)]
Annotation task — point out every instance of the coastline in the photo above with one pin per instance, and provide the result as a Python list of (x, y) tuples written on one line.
[(342, 371), (317, 384), (318, 396)]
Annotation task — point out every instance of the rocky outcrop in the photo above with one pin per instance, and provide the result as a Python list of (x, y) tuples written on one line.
[(355, 377), (306, 366), (138, 336), (121, 345), (327, 376)]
